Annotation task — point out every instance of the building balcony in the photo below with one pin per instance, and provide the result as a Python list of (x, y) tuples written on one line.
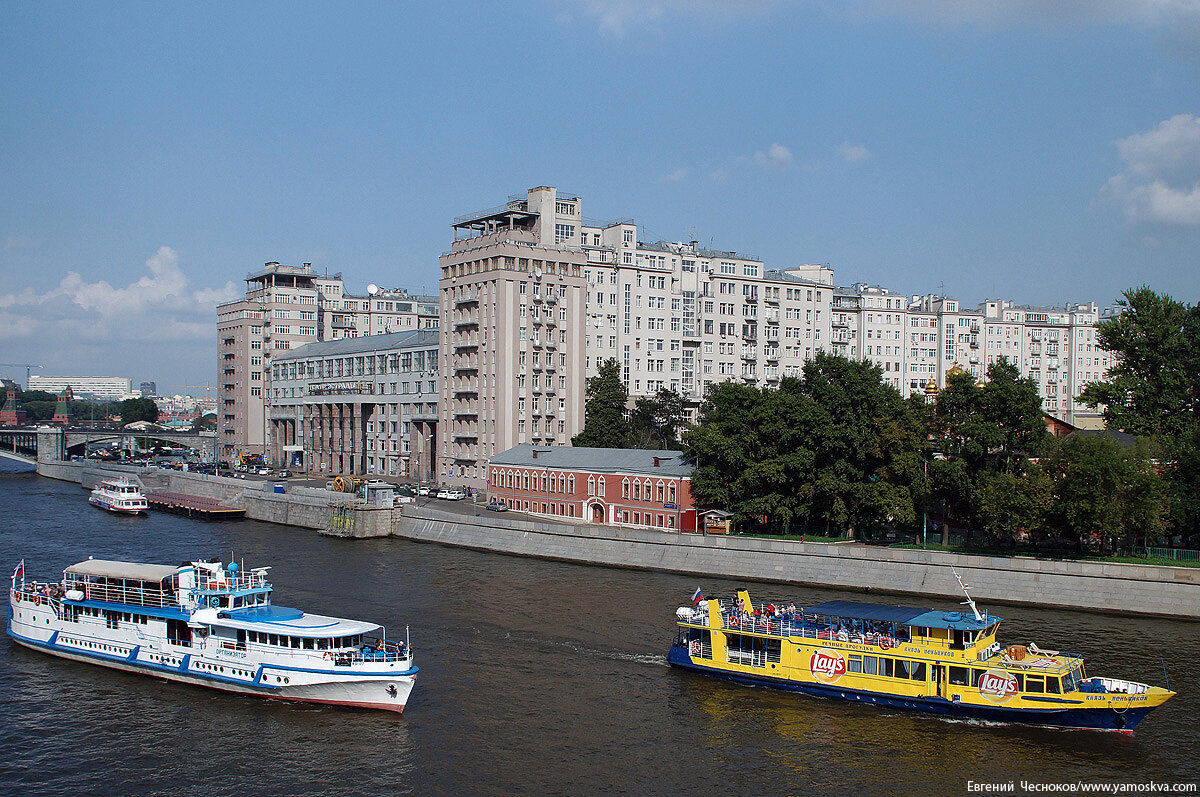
[(465, 322), (467, 342), (537, 296), (550, 322), (465, 300), (466, 364), (771, 354), (537, 366), (771, 299), (551, 297)]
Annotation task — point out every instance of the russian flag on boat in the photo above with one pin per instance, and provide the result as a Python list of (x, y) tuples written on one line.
[(19, 570), (697, 597)]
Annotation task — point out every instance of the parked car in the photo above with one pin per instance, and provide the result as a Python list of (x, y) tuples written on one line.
[(424, 491), (402, 499), (497, 506), (283, 474), (451, 494)]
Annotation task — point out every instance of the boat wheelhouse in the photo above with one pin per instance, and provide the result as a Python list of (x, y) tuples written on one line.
[(209, 624), (120, 496), (946, 663)]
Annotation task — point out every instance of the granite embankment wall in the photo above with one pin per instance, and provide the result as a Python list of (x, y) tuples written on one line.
[(1120, 588), (305, 507)]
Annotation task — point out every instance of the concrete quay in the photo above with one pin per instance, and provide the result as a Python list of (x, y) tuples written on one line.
[(1097, 586), (1149, 590)]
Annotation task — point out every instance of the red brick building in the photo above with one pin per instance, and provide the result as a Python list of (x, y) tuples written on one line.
[(620, 486)]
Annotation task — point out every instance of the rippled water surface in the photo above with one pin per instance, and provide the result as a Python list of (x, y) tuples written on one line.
[(536, 677)]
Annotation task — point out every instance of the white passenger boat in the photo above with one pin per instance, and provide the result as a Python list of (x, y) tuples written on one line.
[(212, 625), (119, 495)]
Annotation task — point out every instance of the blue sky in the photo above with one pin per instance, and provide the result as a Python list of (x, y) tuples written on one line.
[(152, 154)]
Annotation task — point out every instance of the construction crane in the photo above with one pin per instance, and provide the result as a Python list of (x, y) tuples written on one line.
[(27, 366)]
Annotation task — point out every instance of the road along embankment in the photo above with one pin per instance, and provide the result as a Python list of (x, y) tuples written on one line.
[(1097, 586)]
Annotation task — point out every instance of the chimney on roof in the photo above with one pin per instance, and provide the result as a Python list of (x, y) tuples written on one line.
[(535, 453), (657, 461)]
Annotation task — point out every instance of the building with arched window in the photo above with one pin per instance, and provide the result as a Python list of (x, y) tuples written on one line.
[(620, 486)]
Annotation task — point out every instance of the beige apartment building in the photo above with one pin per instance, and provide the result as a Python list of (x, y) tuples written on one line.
[(282, 309), (512, 304)]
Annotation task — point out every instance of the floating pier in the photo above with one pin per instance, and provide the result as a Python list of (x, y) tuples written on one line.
[(193, 506)]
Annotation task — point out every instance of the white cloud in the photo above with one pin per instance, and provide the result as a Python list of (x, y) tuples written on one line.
[(83, 326), (718, 176), (18, 242), (853, 153), (776, 155), (1160, 183), (675, 176)]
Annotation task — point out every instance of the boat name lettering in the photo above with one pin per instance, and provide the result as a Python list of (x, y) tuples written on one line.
[(237, 654)]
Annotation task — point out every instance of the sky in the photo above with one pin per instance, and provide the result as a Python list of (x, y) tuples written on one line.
[(151, 155)]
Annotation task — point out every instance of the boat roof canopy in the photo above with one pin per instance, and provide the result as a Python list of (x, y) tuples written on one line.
[(927, 618), (131, 570)]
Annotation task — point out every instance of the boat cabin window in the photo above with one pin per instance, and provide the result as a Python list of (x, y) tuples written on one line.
[(1052, 685), (308, 643), (914, 670), (959, 676), (322, 644), (1035, 684)]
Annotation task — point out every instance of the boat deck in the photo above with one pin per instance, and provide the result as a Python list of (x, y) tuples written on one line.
[(193, 506)]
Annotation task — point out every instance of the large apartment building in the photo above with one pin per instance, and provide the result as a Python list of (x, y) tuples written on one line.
[(102, 388), (512, 309), (283, 308)]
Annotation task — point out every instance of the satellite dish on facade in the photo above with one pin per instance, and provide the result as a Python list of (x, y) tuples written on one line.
[(537, 272), (372, 289)]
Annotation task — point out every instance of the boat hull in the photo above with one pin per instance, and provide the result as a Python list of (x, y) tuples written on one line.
[(1103, 719), (384, 692), (116, 510)]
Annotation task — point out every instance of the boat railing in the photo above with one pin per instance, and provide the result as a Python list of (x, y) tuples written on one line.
[(131, 596), (227, 583), (795, 625)]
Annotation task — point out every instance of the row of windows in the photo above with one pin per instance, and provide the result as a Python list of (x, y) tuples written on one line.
[(303, 643)]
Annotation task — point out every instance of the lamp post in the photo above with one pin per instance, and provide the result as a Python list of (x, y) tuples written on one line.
[(925, 507)]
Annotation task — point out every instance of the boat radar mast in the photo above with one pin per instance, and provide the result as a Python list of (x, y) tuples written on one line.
[(968, 601)]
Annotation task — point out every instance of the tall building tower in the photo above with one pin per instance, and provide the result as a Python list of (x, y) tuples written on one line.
[(282, 309), (512, 349)]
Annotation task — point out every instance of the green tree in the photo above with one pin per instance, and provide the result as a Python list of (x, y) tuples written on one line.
[(748, 450), (1012, 507), (604, 421), (138, 409), (1104, 495), (655, 422), (1153, 390), (865, 442)]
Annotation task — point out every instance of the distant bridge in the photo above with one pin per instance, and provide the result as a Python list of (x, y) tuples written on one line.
[(44, 444)]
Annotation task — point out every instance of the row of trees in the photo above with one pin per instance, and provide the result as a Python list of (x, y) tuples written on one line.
[(839, 448)]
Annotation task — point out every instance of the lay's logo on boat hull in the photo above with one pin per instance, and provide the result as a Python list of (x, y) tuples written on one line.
[(827, 665), (997, 686)]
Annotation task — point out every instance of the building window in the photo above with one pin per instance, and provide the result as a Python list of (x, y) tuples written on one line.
[(563, 232)]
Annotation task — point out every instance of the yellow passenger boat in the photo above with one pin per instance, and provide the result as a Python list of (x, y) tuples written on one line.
[(946, 663)]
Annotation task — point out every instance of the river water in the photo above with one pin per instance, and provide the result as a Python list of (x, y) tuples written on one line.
[(536, 677)]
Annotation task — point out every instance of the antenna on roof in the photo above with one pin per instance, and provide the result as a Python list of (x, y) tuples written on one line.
[(968, 601)]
